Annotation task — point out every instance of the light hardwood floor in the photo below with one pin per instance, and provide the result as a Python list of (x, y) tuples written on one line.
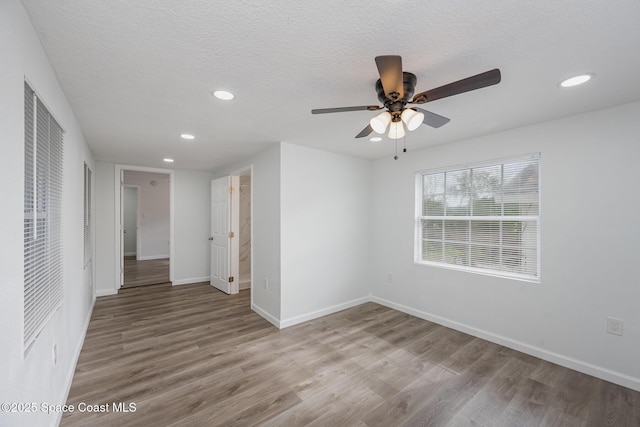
[(193, 356), (146, 272)]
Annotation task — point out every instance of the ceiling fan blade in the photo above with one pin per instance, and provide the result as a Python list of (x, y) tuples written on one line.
[(365, 132), (390, 69), (478, 81), (343, 109), (432, 119)]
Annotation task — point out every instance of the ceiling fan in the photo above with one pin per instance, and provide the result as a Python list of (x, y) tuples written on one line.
[(395, 89)]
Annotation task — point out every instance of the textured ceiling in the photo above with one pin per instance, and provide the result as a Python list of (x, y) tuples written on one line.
[(139, 73)]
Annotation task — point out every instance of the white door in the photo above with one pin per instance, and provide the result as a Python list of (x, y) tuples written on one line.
[(121, 243), (222, 237)]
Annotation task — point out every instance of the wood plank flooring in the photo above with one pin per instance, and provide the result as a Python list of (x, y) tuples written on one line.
[(146, 272), (193, 356)]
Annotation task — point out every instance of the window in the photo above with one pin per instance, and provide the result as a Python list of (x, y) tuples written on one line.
[(42, 215), (482, 218), (87, 215)]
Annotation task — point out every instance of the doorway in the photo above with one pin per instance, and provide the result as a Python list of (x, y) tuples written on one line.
[(130, 208), (231, 232), (145, 226), (241, 220), (244, 225)]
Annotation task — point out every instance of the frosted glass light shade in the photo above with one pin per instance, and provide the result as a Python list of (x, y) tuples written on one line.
[(380, 122), (396, 130), (412, 118)]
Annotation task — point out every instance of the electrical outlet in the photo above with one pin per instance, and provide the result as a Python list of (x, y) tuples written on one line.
[(266, 284), (614, 326), (389, 278)]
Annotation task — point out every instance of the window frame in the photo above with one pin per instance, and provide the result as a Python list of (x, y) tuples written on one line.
[(43, 187), (419, 217), (87, 216)]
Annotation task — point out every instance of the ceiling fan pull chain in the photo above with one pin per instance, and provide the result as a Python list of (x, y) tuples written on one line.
[(396, 156), (404, 144)]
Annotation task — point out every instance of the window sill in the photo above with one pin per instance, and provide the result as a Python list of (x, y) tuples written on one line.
[(502, 275)]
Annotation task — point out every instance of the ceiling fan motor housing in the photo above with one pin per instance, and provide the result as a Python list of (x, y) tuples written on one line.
[(409, 81)]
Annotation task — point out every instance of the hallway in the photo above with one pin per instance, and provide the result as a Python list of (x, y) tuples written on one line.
[(145, 273)]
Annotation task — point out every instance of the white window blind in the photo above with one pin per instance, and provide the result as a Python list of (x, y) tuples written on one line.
[(87, 214), (43, 160), (483, 218)]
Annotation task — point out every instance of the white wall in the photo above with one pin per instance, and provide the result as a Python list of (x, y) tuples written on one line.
[(191, 227), (105, 199), (192, 224), (154, 212), (325, 229), (590, 245), (265, 229), (310, 231), (35, 377)]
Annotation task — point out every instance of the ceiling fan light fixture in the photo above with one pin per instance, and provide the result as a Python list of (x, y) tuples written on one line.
[(412, 118), (396, 130), (380, 122)]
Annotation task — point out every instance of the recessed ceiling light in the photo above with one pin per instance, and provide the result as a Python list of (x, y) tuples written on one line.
[(375, 139), (223, 94), (187, 136), (576, 80), (168, 160)]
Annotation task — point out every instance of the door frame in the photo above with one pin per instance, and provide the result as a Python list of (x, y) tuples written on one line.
[(118, 235), (244, 171)]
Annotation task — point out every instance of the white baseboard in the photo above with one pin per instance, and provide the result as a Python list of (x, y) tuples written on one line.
[(263, 313), (76, 356), (106, 292), (191, 280), (149, 257), (323, 312), (129, 254), (559, 359)]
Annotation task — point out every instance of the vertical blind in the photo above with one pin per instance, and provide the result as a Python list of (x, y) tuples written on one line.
[(483, 218), (43, 160)]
